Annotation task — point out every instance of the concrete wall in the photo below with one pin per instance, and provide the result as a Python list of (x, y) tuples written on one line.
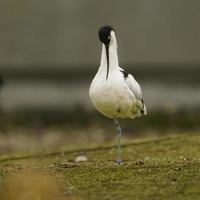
[(63, 33)]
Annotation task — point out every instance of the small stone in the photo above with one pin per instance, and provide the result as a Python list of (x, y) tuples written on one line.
[(186, 159), (181, 157), (81, 158), (178, 168)]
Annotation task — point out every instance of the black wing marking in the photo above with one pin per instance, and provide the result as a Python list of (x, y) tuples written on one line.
[(124, 73), (135, 88), (132, 84)]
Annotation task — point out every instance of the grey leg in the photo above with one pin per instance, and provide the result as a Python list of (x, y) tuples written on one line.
[(119, 133)]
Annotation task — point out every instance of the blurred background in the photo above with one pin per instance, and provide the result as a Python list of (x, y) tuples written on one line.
[(50, 52)]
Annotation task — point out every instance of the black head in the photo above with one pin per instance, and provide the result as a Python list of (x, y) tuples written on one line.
[(104, 34)]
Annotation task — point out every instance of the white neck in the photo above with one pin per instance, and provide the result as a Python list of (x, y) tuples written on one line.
[(113, 57)]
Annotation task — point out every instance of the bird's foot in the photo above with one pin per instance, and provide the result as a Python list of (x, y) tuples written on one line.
[(119, 162)]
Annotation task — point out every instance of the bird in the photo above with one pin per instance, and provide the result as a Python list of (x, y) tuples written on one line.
[(114, 92)]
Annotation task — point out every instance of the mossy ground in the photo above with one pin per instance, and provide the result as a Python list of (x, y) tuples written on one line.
[(165, 168)]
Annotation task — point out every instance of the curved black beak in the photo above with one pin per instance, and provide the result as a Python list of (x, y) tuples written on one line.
[(107, 56)]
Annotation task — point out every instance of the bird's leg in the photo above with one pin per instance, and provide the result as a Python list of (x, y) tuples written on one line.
[(119, 133)]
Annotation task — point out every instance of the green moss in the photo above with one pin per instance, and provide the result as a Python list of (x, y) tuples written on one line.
[(167, 168)]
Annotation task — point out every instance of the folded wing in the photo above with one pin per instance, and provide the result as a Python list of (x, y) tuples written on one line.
[(139, 107)]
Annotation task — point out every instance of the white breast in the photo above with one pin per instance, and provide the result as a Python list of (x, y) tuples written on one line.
[(112, 97)]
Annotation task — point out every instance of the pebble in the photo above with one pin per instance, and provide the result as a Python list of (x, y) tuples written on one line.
[(81, 158)]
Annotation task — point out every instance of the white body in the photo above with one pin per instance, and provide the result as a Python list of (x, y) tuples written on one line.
[(116, 96)]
